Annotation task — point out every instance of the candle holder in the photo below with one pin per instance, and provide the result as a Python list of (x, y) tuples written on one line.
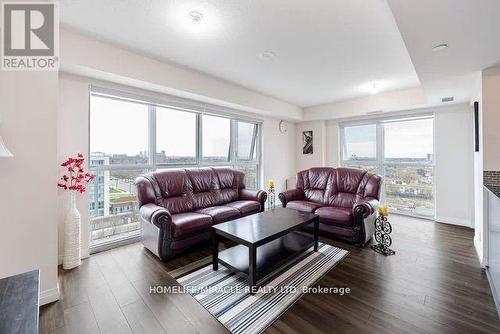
[(382, 230), (271, 198)]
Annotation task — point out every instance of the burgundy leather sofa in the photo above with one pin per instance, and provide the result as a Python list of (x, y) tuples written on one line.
[(346, 200), (178, 206)]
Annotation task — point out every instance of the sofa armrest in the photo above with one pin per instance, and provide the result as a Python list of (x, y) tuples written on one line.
[(365, 213), (365, 206), (155, 214), (291, 195), (254, 195)]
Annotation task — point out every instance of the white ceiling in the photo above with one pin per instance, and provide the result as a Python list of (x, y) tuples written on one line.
[(471, 28), (326, 50)]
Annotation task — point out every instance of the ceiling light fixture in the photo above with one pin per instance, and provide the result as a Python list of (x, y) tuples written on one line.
[(196, 16), (267, 55), (440, 47)]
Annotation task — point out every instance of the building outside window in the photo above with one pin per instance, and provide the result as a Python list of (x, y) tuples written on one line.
[(124, 131), (402, 151)]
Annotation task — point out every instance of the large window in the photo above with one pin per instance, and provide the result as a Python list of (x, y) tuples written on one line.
[(124, 132), (175, 136), (402, 151), (119, 130), (360, 142), (247, 141), (216, 143)]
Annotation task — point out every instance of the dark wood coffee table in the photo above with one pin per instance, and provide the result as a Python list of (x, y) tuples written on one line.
[(267, 240)]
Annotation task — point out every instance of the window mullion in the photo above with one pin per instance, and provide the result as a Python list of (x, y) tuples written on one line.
[(199, 144), (233, 143), (254, 141), (152, 136)]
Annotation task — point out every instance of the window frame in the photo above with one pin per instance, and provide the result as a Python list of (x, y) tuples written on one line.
[(185, 106), (379, 160)]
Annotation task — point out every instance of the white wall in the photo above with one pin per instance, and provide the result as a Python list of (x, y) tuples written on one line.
[(454, 165), (73, 138), (318, 158), (28, 191), (332, 144), (479, 221), (488, 158), (326, 144), (278, 156), (405, 99), (491, 117)]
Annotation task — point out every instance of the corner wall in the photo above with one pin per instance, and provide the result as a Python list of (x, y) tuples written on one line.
[(454, 166), (491, 117), (28, 191)]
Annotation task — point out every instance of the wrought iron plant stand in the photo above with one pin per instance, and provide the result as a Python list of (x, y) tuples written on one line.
[(382, 230), (271, 198)]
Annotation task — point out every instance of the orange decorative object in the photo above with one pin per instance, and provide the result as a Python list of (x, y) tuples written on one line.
[(383, 211)]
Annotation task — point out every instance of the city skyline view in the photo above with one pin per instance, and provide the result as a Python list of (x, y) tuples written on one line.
[(409, 139)]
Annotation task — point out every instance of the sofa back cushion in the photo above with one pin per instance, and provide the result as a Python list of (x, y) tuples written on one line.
[(340, 187), (184, 190), (171, 190), (351, 184), (204, 184), (315, 182), (229, 184), (370, 186)]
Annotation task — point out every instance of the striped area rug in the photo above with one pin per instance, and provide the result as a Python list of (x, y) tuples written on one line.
[(225, 294)]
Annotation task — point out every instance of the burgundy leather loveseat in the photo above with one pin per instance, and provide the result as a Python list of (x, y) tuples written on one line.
[(346, 200), (179, 206)]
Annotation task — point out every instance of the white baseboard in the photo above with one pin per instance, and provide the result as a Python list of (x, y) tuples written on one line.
[(85, 254), (454, 221), (49, 296)]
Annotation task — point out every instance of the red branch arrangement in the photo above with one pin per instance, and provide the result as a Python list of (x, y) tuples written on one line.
[(75, 177)]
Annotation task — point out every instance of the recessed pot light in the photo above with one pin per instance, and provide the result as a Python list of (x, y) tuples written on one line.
[(196, 16), (440, 47), (267, 55)]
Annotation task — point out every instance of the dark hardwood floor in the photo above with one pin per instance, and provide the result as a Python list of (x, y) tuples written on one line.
[(434, 284)]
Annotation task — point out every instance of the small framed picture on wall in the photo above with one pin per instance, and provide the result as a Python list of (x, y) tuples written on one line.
[(307, 142)]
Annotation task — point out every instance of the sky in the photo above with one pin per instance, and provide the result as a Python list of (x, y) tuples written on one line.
[(119, 127), (406, 139)]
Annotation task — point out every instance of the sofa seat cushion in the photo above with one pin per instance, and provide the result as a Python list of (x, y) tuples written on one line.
[(245, 206), (221, 214), (335, 215), (305, 206), (189, 223)]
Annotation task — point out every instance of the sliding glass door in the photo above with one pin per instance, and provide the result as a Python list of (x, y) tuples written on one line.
[(402, 151), (124, 132)]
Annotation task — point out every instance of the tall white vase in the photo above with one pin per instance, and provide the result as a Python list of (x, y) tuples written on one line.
[(72, 236)]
